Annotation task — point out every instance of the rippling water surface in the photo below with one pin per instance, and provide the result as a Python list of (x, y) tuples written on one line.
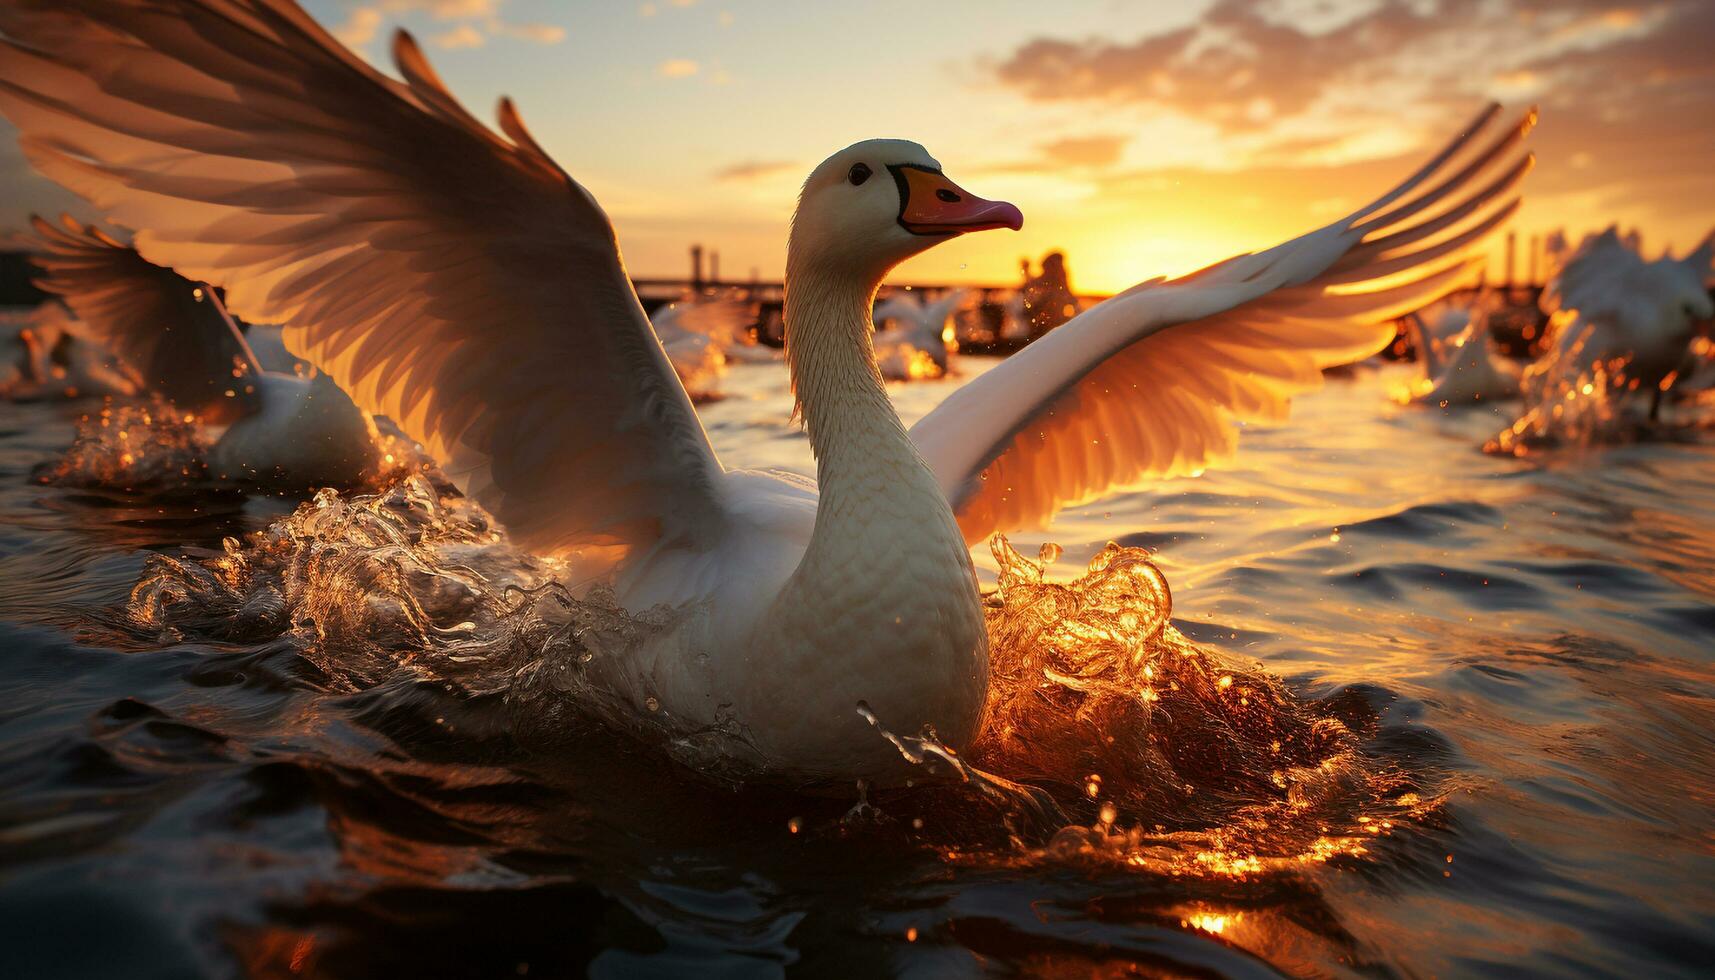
[(1513, 654)]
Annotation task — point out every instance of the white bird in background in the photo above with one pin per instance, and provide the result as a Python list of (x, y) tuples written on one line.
[(702, 334), (1609, 305), (475, 295), (45, 355), (280, 430), (914, 337), (1462, 365)]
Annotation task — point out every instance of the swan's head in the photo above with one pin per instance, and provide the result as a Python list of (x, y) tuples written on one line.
[(876, 203)]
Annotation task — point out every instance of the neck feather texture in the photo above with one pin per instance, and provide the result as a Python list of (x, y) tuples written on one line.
[(863, 454)]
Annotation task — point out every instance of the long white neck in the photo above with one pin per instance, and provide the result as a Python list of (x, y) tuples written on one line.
[(861, 448), (883, 606)]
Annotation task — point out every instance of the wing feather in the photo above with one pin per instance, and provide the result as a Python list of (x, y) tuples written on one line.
[(449, 277), (170, 330), (1148, 384)]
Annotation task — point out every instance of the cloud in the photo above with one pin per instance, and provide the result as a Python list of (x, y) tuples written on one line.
[(539, 33), (476, 22), (1247, 64), (1097, 152), (1626, 89), (462, 36), (677, 68), (755, 169), (447, 9), (359, 28)]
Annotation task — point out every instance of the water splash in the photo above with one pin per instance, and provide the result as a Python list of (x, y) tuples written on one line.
[(903, 360), (1135, 747), (155, 446), (417, 582), (1571, 400), (1108, 735), (132, 445)]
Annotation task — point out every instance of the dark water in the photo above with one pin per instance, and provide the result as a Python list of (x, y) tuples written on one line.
[(1531, 638)]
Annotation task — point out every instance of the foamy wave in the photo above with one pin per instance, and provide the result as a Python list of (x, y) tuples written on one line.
[(1571, 401), (1133, 746), (1108, 734), (131, 445)]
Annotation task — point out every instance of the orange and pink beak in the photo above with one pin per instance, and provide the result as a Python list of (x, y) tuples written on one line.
[(930, 204)]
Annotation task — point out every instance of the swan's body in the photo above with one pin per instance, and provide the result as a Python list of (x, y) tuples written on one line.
[(1462, 365), (1608, 304), (278, 430), (916, 339), (561, 413)]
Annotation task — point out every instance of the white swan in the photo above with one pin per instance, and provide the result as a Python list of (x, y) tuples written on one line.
[(475, 295), (917, 341), (1462, 364), (280, 430), (702, 335), (1609, 304)]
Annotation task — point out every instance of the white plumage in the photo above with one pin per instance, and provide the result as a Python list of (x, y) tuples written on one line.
[(475, 295), (912, 337), (703, 334), (1608, 303), (1462, 365)]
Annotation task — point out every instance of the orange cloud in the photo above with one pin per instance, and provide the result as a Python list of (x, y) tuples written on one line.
[(1097, 152), (755, 169), (1625, 91)]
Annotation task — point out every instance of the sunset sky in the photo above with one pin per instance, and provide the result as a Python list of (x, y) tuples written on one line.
[(1142, 138)]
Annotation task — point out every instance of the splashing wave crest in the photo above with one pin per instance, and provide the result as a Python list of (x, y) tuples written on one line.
[(121, 444), (1570, 400), (1100, 715), (1217, 769)]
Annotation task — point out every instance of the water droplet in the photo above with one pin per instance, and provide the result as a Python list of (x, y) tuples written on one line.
[(1049, 553), (652, 704), (794, 825), (1109, 814), (911, 934)]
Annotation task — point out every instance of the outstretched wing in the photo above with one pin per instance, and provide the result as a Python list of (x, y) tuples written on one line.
[(171, 331), (454, 280), (1147, 384)]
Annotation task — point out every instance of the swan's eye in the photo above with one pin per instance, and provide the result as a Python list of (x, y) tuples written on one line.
[(859, 173), (947, 195)]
